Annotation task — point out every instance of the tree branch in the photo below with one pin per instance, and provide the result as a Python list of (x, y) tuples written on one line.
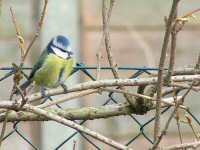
[(84, 113), (61, 120), (106, 18), (161, 67), (39, 27), (109, 83), (193, 145)]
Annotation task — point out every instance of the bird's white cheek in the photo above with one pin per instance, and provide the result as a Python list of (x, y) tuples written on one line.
[(59, 53)]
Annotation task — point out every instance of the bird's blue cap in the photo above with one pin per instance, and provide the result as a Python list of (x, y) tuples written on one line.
[(62, 40), (59, 41)]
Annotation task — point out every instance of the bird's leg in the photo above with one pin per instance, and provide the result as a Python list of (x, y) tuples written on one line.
[(43, 89), (64, 87)]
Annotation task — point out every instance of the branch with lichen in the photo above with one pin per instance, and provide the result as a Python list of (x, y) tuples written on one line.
[(89, 113), (62, 120)]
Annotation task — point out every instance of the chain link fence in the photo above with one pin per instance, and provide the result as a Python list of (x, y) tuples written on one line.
[(141, 125)]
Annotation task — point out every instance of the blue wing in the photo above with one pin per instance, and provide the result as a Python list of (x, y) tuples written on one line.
[(39, 64)]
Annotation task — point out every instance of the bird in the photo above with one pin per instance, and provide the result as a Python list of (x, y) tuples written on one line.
[(53, 66)]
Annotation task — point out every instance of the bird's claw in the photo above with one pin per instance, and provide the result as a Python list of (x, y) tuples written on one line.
[(43, 92), (64, 87)]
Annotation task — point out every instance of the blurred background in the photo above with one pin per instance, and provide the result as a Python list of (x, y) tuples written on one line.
[(137, 29)]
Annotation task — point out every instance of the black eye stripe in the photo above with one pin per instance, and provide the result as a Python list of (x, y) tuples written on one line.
[(62, 50), (68, 52)]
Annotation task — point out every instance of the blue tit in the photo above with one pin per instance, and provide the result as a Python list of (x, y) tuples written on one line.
[(54, 65)]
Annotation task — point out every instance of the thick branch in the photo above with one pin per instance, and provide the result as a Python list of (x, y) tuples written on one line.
[(62, 120), (88, 113), (84, 113)]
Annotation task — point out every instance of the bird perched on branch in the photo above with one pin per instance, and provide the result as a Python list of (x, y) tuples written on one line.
[(53, 66)]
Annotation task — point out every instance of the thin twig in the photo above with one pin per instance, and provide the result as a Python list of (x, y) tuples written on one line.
[(191, 13), (180, 102), (67, 98), (161, 68), (109, 83), (189, 121), (184, 86), (182, 71), (87, 92), (37, 31), (7, 111), (177, 116), (20, 38), (106, 18), (179, 127), (197, 67), (107, 37), (193, 145), (99, 56), (164, 100), (74, 145), (24, 100), (3, 130), (198, 62)]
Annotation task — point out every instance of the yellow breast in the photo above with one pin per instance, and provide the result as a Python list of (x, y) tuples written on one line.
[(49, 74)]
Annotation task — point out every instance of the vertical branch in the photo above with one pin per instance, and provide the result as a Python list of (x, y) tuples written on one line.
[(106, 14), (177, 117), (99, 56), (198, 62), (106, 19), (18, 34), (24, 53), (161, 67), (39, 27), (172, 50), (3, 128), (74, 145), (17, 76), (177, 105)]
